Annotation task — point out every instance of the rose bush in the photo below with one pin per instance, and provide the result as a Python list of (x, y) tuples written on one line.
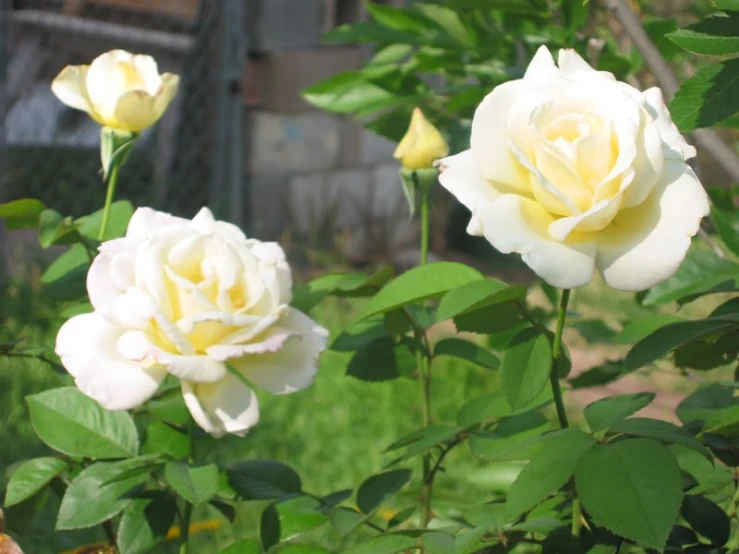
[(118, 89), (579, 172), (196, 300)]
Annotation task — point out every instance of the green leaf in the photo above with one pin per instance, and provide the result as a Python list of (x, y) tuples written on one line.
[(361, 284), (448, 21), (243, 547), (576, 13), (196, 484), (367, 31), (263, 480), (487, 407), (669, 337), (360, 334), (700, 271), (379, 488), (303, 549), (345, 520), (120, 214), (382, 360), (384, 544), (467, 350), (307, 296), (708, 477), (632, 488), (420, 283), (603, 374), (72, 423), (712, 404), (32, 476), (643, 326), (514, 438), (290, 518), (728, 5), (708, 97), (399, 19), (706, 518), (603, 413), (64, 279), (495, 318), (713, 36), (349, 92), (477, 294), (594, 330), (162, 438), (548, 471), (97, 493), (145, 522), (663, 431), (726, 230), (420, 441), (21, 214), (53, 228), (526, 367)]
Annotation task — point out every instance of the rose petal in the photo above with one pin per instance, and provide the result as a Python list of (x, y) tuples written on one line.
[(228, 406), (570, 61), (146, 67), (293, 367), (542, 65), (69, 87), (490, 137), (134, 111), (646, 244), (460, 176), (517, 224), (674, 143), (138, 346), (145, 222), (167, 91), (86, 345)]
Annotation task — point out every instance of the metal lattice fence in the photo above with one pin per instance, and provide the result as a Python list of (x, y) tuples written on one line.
[(51, 152)]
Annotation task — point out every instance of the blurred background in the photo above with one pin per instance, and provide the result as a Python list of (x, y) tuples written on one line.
[(314, 170)]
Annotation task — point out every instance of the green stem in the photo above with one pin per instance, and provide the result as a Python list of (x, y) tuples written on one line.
[(109, 195), (556, 354), (187, 515), (576, 517), (185, 534), (424, 368), (557, 393), (424, 230), (109, 533)]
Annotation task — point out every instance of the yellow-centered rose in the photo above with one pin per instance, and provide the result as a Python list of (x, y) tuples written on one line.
[(422, 145), (118, 89), (579, 173)]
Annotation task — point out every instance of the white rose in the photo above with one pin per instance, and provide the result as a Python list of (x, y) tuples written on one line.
[(118, 90), (577, 172), (197, 300)]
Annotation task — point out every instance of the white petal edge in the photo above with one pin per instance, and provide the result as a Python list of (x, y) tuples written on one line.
[(293, 367), (516, 224), (646, 244), (459, 175), (145, 222), (542, 65), (69, 87), (228, 406), (490, 136), (86, 345)]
